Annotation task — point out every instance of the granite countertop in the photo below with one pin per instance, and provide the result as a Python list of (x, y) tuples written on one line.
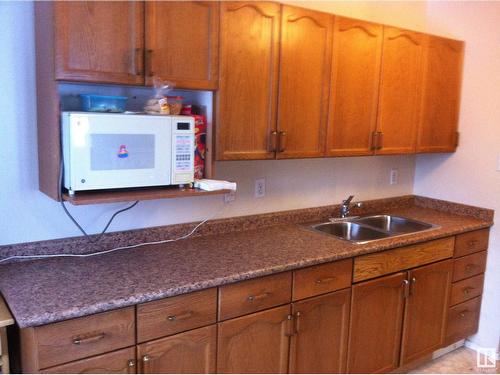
[(45, 291)]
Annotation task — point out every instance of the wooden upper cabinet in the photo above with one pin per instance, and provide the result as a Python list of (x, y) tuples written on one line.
[(99, 41), (441, 95), (375, 326), (400, 85), (306, 44), (425, 312), (319, 343), (191, 352), (248, 80), (255, 343), (357, 47), (182, 43)]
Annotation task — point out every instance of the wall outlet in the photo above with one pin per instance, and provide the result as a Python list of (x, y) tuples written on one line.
[(230, 197), (260, 188), (394, 177)]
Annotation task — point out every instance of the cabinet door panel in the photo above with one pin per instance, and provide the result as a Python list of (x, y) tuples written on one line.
[(256, 343), (191, 352), (246, 100), (320, 342), (375, 327), (306, 40), (182, 43), (400, 85), (99, 41), (119, 362), (357, 47), (425, 312), (441, 95)]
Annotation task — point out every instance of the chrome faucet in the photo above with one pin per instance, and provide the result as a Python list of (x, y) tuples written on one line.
[(344, 208)]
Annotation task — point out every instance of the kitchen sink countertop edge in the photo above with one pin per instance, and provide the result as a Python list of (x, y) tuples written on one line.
[(46, 291)]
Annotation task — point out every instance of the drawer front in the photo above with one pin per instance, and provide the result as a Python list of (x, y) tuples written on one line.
[(464, 290), (84, 337), (469, 265), (324, 278), (254, 295), (390, 261), (471, 242), (119, 362), (176, 314), (463, 320)]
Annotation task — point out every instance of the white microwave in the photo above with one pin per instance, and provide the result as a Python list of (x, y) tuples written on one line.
[(112, 151)]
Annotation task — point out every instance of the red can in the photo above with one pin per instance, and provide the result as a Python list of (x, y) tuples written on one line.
[(200, 142)]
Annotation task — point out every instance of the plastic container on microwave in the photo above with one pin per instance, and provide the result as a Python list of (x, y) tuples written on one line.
[(175, 104), (103, 103)]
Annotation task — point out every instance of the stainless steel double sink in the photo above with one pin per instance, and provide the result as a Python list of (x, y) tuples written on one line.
[(365, 229)]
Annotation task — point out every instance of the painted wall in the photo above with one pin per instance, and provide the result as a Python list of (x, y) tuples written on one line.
[(28, 215), (467, 176), (471, 174)]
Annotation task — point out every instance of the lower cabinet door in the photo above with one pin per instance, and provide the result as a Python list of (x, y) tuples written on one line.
[(255, 343), (191, 352), (119, 362), (319, 342), (426, 308), (376, 321)]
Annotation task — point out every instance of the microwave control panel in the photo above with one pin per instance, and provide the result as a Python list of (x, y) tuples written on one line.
[(183, 150)]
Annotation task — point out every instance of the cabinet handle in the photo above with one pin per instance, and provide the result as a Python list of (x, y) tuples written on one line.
[(325, 280), (149, 60), (470, 267), (406, 291), (258, 297), (413, 281), (297, 322), (282, 142), (468, 290), (88, 339), (186, 315), (274, 141), (380, 140), (374, 140), (472, 243), (139, 55), (289, 329), (463, 313), (130, 365)]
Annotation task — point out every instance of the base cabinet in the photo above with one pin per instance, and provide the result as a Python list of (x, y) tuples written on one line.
[(256, 343), (191, 352), (319, 341)]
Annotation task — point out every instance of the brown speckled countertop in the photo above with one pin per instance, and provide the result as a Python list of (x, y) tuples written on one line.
[(45, 291)]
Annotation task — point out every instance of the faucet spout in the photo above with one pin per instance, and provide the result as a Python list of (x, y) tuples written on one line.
[(344, 208)]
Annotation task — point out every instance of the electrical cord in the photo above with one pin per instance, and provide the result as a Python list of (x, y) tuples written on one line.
[(45, 256)]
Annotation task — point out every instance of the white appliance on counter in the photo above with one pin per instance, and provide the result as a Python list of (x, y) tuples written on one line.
[(110, 151)]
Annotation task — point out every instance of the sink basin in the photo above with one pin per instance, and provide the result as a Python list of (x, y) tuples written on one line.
[(393, 224), (371, 228), (350, 231)]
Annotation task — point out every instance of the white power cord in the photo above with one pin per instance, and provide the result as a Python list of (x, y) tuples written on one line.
[(116, 248)]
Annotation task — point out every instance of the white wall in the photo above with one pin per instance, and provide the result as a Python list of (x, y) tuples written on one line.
[(467, 176), (28, 215)]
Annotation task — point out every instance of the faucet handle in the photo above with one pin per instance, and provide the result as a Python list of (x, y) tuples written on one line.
[(348, 200)]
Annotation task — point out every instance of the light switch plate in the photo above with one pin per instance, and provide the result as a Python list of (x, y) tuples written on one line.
[(394, 176), (260, 188)]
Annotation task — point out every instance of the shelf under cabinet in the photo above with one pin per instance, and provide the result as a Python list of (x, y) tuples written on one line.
[(114, 196)]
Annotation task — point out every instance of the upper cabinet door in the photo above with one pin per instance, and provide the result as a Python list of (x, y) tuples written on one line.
[(249, 57), (400, 85), (99, 41), (306, 43), (182, 43), (357, 48), (441, 96)]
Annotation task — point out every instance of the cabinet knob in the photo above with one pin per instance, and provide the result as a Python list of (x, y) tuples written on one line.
[(258, 297), (146, 358), (186, 315), (325, 280), (131, 363), (282, 141)]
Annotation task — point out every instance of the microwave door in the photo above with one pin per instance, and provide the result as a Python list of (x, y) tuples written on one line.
[(121, 152)]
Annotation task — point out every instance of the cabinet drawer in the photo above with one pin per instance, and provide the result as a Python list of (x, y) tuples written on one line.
[(84, 337), (390, 261), (463, 320), (469, 265), (254, 295), (324, 278), (119, 362), (466, 289), (176, 314), (471, 242)]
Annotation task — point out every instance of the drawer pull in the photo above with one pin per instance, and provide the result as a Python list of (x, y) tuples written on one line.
[(464, 313), (88, 339), (468, 290), (258, 297), (186, 315), (470, 267), (131, 363), (325, 280), (472, 243)]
